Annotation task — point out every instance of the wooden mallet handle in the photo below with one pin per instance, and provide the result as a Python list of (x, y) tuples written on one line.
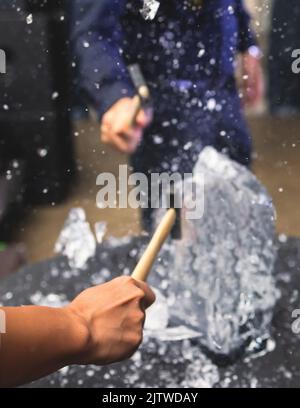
[(145, 264)]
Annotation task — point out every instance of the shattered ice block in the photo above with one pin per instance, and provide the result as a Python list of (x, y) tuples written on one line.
[(76, 240), (222, 267), (150, 9)]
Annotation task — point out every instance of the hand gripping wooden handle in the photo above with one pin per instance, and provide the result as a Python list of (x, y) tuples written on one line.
[(145, 264)]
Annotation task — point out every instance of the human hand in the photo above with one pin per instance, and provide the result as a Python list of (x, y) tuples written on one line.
[(112, 316), (116, 129)]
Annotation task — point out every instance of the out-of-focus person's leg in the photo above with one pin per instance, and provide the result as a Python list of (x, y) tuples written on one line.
[(233, 134)]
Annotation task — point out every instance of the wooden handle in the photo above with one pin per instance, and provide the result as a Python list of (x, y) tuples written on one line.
[(137, 104), (145, 264)]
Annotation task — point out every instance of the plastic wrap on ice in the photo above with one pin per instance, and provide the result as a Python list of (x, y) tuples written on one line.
[(150, 9)]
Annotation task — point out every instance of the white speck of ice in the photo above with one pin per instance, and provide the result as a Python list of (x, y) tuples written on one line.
[(150, 9), (100, 231), (29, 19)]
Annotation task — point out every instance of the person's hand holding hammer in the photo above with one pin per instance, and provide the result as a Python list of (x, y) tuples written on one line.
[(102, 325), (119, 130)]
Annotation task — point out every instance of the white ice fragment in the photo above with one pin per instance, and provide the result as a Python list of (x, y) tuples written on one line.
[(230, 10), (76, 240), (157, 139), (8, 296), (187, 146), (42, 152), (201, 53), (100, 231), (222, 269), (150, 9), (282, 238), (55, 95), (29, 19), (177, 333), (211, 104)]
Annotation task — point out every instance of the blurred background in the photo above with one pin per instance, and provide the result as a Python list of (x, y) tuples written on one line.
[(49, 142)]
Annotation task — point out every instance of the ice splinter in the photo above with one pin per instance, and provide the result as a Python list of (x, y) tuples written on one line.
[(150, 9)]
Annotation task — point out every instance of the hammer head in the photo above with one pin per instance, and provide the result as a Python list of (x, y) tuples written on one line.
[(139, 82)]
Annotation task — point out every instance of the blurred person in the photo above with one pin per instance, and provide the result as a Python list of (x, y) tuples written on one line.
[(284, 84), (187, 55), (103, 325)]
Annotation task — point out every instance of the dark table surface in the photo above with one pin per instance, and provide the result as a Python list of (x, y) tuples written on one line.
[(169, 364)]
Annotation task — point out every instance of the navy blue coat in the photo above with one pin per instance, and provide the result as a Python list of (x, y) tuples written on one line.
[(180, 43), (187, 57)]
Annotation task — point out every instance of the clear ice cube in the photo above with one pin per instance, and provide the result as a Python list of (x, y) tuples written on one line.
[(76, 240)]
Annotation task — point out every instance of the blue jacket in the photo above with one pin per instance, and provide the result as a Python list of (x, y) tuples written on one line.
[(180, 43)]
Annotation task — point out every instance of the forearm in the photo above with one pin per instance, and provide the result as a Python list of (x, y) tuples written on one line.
[(38, 341)]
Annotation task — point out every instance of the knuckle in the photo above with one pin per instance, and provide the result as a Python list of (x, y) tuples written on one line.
[(140, 294), (125, 279)]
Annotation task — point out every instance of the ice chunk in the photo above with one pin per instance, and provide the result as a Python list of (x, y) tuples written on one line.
[(76, 240), (222, 267), (29, 19), (100, 230), (150, 9), (177, 333)]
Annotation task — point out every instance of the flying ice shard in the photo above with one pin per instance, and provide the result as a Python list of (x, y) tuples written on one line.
[(150, 9)]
